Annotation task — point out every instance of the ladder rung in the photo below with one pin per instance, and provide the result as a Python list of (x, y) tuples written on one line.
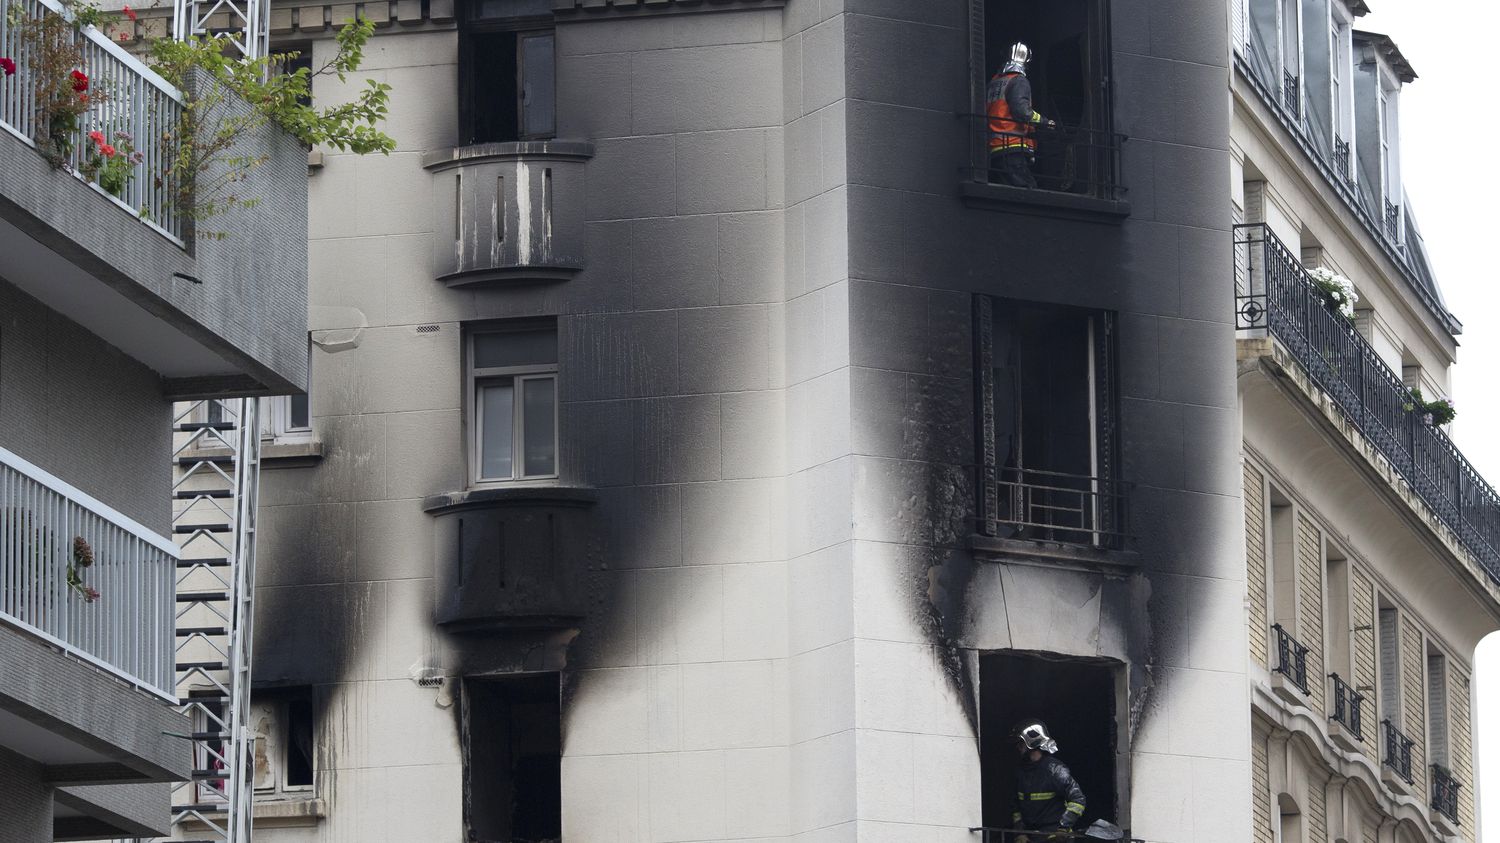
[(202, 808), (202, 596), (183, 529), (189, 427), (214, 458), (210, 736), (189, 631), (202, 666), (207, 775), (212, 562), (188, 495)]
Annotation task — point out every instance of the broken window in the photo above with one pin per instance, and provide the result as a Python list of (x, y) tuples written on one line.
[(281, 724), (512, 750), (1048, 432), (1070, 82), (1079, 701), (506, 71)]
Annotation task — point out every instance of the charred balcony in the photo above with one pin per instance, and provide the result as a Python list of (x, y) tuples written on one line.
[(509, 212), (512, 557)]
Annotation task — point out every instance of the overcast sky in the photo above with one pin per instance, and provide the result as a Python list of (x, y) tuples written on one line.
[(1449, 150)]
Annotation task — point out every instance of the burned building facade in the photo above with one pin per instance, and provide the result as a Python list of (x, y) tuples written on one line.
[(702, 446)]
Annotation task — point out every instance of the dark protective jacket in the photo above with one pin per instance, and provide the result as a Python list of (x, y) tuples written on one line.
[(1011, 119), (1047, 797)]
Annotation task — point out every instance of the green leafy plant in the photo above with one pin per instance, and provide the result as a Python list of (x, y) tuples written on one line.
[(207, 165), (112, 165), (60, 85), (1441, 410)]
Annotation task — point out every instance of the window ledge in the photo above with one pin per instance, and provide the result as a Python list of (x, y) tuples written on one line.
[(1045, 203), (483, 153), (291, 454), (991, 549), (289, 812), (446, 502)]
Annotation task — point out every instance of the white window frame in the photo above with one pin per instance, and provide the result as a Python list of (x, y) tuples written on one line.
[(476, 378), (276, 421), (1341, 53), (277, 740)]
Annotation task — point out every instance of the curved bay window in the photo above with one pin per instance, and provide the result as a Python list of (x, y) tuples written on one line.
[(1048, 424)]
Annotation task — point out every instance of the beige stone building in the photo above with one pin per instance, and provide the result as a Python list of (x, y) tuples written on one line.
[(1370, 541)]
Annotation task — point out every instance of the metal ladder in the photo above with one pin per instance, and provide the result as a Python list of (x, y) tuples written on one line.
[(215, 489)]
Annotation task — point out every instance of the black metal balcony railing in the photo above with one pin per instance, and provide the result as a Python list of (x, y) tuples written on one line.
[(1291, 658), (1068, 159), (1347, 705), (1397, 754), (1291, 94), (1011, 835), (1282, 298), (1064, 508), (1392, 220), (1444, 792), (1341, 164)]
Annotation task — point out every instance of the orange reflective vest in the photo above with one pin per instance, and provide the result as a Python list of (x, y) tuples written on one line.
[(1006, 132)]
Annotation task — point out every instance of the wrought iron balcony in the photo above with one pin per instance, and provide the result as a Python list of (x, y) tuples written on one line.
[(1393, 221), (1445, 793), (1291, 658), (1396, 755), (1291, 94), (1341, 160), (1064, 508), (85, 578), (1347, 707), (1068, 159), (1275, 293), (136, 102)]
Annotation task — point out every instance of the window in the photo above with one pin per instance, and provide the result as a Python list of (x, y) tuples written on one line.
[(1069, 74), (281, 724), (286, 418), (512, 754), (1342, 72), (513, 403), (1390, 663), (294, 58), (1338, 621), (1048, 434), (1078, 699), (1437, 708), (506, 71)]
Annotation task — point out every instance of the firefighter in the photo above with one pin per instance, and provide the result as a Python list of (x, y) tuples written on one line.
[(1013, 122), (1047, 797)]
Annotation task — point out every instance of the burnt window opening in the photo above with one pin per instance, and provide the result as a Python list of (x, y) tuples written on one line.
[(1048, 436), (281, 722), (1069, 74), (512, 731), (506, 71), (1079, 701)]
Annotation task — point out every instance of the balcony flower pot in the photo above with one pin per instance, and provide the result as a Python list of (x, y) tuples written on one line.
[(1336, 291)]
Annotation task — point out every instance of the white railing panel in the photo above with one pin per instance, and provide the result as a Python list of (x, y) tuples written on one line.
[(128, 630), (136, 101)]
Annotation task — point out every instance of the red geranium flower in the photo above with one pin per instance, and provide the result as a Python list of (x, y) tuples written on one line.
[(8, 65), (107, 150), (97, 137), (129, 12), (80, 81), (124, 38)]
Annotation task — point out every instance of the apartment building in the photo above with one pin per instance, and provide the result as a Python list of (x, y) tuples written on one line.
[(701, 447), (1371, 543), (110, 310)]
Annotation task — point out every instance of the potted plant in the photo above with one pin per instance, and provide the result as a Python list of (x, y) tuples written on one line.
[(1336, 290), (1434, 413)]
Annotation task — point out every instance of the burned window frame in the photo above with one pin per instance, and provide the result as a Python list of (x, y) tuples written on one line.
[(1108, 530), (474, 26), (517, 691), (280, 703), (1104, 143)]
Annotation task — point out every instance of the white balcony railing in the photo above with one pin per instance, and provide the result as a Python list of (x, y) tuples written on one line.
[(130, 98), (49, 529)]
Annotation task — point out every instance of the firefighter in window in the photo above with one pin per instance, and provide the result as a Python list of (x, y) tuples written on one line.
[(1048, 799), (1013, 123)]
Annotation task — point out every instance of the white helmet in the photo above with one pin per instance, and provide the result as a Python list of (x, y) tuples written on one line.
[(1033, 734), (1020, 55)]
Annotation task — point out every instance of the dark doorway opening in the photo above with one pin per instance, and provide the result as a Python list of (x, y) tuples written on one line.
[(1069, 74), (1076, 698), (512, 731)]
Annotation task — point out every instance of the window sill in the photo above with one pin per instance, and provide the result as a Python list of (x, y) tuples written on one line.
[(1045, 203), (991, 549), (1394, 783), (484, 153), (294, 454), (498, 496), (288, 813)]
